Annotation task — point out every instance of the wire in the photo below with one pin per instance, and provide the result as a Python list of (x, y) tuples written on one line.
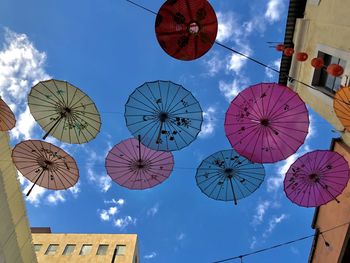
[(279, 245), (246, 56)]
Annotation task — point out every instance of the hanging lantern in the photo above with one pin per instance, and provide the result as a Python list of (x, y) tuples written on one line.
[(335, 70), (280, 47), (289, 51), (317, 63), (301, 56)]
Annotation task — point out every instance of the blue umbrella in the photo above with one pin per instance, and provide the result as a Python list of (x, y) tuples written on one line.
[(165, 115), (227, 176)]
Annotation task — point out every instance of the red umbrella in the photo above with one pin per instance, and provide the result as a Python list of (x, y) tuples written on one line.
[(134, 166), (267, 122), (45, 165), (186, 29), (316, 178), (7, 118)]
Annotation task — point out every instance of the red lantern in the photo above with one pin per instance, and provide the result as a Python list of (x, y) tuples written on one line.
[(289, 51), (280, 47), (301, 56), (317, 63), (335, 70)]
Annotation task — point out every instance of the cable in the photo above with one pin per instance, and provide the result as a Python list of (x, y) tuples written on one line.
[(245, 56), (279, 245)]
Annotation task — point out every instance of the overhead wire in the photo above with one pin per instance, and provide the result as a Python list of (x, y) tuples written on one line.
[(281, 244)]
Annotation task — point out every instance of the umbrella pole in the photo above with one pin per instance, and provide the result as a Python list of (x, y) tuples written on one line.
[(55, 124), (35, 182), (233, 192), (139, 137), (160, 131), (325, 188)]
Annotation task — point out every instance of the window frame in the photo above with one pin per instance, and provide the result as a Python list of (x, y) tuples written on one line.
[(82, 247), (98, 249), (69, 245), (51, 253), (35, 247)]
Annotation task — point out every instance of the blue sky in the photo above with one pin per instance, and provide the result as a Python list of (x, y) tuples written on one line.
[(108, 48)]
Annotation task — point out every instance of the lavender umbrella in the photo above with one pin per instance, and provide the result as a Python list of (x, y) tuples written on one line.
[(134, 166), (316, 178), (266, 123)]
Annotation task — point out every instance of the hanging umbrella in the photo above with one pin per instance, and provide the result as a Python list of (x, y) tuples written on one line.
[(45, 165), (186, 29), (341, 105), (227, 176), (134, 166), (267, 122), (316, 178), (7, 118), (64, 111), (165, 114)]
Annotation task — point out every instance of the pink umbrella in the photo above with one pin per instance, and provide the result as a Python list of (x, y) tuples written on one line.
[(7, 118), (266, 122), (134, 166), (316, 178)]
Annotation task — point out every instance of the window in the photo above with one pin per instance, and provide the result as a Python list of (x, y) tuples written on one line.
[(322, 79), (68, 250), (102, 250), (121, 249), (85, 250), (37, 247), (51, 250)]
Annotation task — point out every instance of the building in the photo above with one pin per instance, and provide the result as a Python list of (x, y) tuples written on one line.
[(15, 237), (322, 29), (64, 247)]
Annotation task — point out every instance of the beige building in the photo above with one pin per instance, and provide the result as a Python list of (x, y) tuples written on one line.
[(321, 28), (15, 237), (96, 248)]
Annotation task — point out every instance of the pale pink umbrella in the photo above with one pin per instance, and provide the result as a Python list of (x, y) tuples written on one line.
[(134, 166), (316, 178), (45, 165), (266, 122), (7, 118)]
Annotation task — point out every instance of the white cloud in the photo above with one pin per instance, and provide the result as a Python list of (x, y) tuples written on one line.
[(153, 210), (253, 242), (102, 180), (120, 201), (209, 122), (237, 62), (150, 255), (274, 221), (21, 66), (230, 90), (36, 194), (112, 210), (260, 212), (122, 223), (75, 190), (180, 236), (104, 215), (55, 197), (24, 126), (270, 74), (214, 64), (227, 27), (274, 10)]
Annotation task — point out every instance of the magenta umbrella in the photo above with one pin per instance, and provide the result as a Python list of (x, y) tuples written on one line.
[(134, 166), (266, 122), (316, 178)]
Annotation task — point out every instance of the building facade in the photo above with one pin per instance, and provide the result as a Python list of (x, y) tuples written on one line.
[(15, 237), (96, 248), (321, 28)]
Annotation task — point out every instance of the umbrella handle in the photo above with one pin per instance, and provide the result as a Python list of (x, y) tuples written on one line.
[(55, 124), (35, 182), (139, 138), (233, 192)]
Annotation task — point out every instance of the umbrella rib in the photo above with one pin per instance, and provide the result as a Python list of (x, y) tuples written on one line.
[(160, 94), (179, 102), (59, 93), (173, 98), (53, 103), (155, 104), (82, 116), (141, 109)]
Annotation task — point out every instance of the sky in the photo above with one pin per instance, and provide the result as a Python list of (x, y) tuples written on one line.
[(108, 48)]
